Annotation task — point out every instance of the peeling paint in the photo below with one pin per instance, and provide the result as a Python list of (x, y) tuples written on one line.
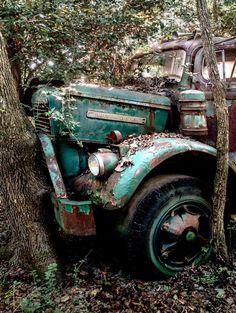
[(120, 188), (54, 170), (75, 217)]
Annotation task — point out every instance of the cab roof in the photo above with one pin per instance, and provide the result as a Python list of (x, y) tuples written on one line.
[(190, 45)]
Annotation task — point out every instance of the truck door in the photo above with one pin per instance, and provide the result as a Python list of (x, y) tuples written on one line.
[(226, 61)]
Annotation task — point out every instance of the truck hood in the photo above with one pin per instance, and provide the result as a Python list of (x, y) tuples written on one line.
[(118, 95)]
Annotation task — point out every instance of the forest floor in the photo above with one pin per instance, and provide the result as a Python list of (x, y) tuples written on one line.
[(97, 282), (94, 284)]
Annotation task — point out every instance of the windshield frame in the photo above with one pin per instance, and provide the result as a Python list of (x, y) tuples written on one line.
[(170, 69)]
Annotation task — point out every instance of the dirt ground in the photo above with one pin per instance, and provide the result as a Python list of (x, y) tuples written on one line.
[(95, 284)]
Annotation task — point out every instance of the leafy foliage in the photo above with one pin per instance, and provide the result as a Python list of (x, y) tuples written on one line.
[(93, 40), (41, 298), (64, 39), (227, 17)]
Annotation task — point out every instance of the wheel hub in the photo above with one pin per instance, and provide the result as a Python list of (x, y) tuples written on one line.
[(177, 224), (190, 235), (184, 231)]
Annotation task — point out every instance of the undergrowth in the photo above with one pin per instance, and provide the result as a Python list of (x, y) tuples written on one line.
[(41, 297)]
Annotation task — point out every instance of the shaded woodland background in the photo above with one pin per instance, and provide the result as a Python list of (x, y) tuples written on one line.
[(94, 41)]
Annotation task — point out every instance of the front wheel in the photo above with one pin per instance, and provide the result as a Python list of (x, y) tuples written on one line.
[(168, 225)]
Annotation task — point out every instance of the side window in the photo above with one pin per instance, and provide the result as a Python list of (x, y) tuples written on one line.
[(226, 61)]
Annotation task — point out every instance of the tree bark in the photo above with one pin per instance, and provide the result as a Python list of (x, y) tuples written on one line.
[(13, 55), (222, 142), (22, 186)]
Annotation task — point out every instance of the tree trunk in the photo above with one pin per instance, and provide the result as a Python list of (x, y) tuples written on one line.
[(222, 142), (22, 186), (13, 55)]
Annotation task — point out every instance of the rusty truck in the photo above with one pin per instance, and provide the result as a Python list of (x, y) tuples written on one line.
[(149, 157)]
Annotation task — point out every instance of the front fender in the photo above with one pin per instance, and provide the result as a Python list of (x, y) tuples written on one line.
[(121, 186)]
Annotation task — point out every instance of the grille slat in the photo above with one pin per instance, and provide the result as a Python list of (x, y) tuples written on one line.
[(42, 122)]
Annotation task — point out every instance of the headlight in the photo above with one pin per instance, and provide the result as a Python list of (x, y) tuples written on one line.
[(102, 163), (96, 165)]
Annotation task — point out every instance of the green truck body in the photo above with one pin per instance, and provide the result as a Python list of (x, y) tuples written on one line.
[(149, 157)]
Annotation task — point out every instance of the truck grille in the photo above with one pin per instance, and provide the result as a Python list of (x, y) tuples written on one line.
[(42, 122)]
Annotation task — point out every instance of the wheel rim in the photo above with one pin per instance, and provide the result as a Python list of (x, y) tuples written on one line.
[(180, 235)]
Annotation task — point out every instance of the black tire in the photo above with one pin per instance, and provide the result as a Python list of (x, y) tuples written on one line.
[(168, 225)]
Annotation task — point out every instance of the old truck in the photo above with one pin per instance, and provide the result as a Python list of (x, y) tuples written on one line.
[(150, 158)]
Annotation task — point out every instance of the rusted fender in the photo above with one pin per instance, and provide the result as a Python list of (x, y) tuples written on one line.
[(53, 168), (120, 187)]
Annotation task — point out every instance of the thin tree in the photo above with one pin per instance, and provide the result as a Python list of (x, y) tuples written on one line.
[(222, 142), (22, 186)]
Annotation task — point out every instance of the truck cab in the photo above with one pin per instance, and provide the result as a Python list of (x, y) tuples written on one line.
[(148, 156)]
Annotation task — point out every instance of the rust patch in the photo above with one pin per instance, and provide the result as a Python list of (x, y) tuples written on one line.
[(78, 223), (159, 160), (101, 191), (113, 202), (123, 164), (212, 127), (152, 119), (140, 142), (177, 225), (82, 185), (154, 163), (137, 172), (162, 145)]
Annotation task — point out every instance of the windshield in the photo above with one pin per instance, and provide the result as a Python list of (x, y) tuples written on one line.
[(169, 64)]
